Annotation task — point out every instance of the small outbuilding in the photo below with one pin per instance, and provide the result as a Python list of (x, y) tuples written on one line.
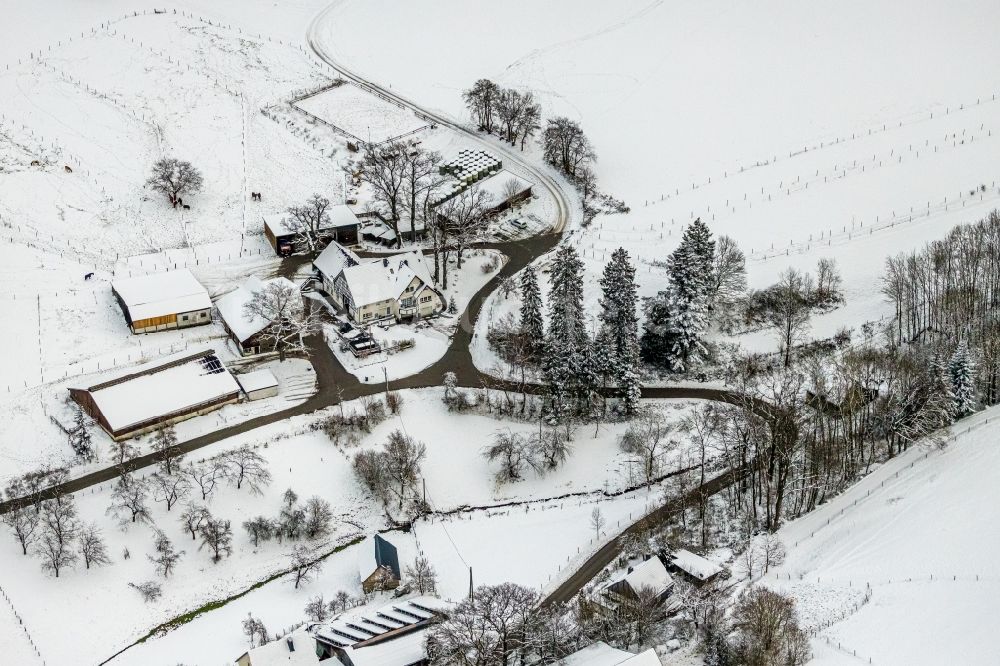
[(258, 384), (163, 301), (342, 227), (695, 567), (381, 572), (650, 574), (158, 394), (243, 329), (505, 190)]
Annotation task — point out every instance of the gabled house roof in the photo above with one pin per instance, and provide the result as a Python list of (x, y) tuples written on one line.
[(333, 259), (695, 566), (164, 387), (386, 556), (385, 279), (161, 294), (297, 648), (231, 307), (650, 573), (602, 654)]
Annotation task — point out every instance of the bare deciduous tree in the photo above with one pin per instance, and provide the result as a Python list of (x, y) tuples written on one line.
[(149, 590), (169, 489), (164, 445), (304, 565), (318, 516), (790, 317), (422, 575), (23, 522), (649, 438), (597, 521), (129, 498), (193, 517), (515, 454), (254, 630), (243, 465), (259, 529), (217, 536), (308, 221), (92, 547), (317, 609), (384, 168), (166, 555), (481, 102), (767, 630), (566, 147), (289, 318), (205, 475), (174, 177)]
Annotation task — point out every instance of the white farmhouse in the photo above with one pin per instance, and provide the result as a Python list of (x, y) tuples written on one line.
[(397, 287)]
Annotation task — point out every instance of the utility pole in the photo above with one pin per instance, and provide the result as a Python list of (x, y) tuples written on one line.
[(385, 373), (472, 596)]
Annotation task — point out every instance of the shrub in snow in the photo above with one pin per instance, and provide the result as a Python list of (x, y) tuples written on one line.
[(150, 590)]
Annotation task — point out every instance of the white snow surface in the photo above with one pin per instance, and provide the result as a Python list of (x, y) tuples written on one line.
[(902, 569), (160, 294)]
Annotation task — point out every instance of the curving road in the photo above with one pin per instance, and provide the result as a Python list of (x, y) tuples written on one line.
[(335, 384)]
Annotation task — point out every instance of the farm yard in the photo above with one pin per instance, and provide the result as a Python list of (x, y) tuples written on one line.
[(722, 344)]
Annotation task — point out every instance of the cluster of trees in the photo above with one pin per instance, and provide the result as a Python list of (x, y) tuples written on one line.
[(949, 292), (310, 520), (392, 471), (703, 278), (806, 428), (51, 529), (578, 366), (514, 114), (517, 453), (505, 624), (408, 185)]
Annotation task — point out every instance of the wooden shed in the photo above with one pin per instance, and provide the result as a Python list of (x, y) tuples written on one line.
[(163, 301)]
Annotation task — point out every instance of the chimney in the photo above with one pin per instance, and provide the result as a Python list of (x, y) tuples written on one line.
[(385, 262), (291, 645), (630, 570)]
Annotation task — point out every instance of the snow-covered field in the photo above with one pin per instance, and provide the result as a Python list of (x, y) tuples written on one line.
[(901, 568), (362, 114), (824, 129), (456, 476)]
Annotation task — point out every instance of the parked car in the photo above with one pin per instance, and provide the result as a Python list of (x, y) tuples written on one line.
[(519, 224)]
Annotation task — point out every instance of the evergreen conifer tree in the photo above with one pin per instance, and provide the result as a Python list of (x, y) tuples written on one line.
[(620, 325), (566, 363), (676, 318), (961, 372), (531, 310)]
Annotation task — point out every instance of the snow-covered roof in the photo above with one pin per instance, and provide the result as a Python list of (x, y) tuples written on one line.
[(279, 652), (335, 258), (385, 279), (231, 310), (257, 380), (354, 630), (695, 565), (650, 573), (407, 649), (160, 294), (496, 186), (154, 390), (341, 215), (602, 654)]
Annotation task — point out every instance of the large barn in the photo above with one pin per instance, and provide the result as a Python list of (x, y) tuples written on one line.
[(159, 393), (162, 301)]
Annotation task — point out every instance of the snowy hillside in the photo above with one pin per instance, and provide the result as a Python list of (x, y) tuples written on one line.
[(901, 568)]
